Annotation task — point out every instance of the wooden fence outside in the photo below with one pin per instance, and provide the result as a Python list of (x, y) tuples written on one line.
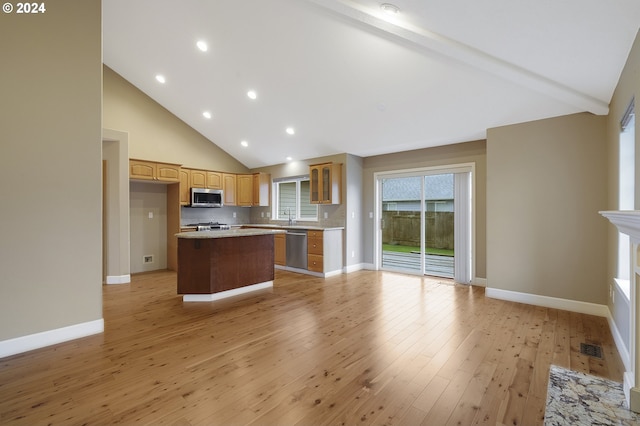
[(403, 228)]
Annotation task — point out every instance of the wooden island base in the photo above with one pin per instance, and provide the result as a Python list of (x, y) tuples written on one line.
[(212, 267)]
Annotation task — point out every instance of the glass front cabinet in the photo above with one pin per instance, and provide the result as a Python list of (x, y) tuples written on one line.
[(326, 182)]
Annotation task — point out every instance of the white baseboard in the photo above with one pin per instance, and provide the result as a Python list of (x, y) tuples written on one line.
[(368, 266), (482, 282), (225, 294), (118, 279), (354, 268), (617, 338), (549, 302), (50, 337)]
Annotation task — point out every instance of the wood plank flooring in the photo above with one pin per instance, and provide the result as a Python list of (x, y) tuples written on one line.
[(356, 349)]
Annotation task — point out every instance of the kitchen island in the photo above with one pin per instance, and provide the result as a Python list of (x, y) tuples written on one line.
[(213, 265)]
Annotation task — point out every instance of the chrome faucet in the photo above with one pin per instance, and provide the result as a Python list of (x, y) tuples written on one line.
[(291, 221)]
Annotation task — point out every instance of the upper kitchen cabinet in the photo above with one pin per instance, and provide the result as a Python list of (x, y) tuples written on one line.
[(229, 189), (150, 170), (326, 181), (214, 180), (197, 178), (185, 188), (244, 185), (205, 179), (261, 189)]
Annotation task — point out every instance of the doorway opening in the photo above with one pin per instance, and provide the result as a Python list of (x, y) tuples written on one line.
[(425, 221)]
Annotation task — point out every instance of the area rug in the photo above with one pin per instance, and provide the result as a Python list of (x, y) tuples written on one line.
[(575, 398)]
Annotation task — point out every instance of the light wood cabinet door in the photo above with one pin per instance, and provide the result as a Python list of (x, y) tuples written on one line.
[(214, 180), (315, 263), (185, 189), (326, 182), (229, 189), (151, 170), (143, 170), (280, 249), (197, 178), (314, 245), (166, 172), (244, 184), (262, 189)]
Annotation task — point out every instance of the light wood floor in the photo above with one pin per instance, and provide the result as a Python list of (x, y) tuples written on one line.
[(357, 349)]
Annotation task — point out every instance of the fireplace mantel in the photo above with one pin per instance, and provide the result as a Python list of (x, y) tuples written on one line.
[(627, 222)]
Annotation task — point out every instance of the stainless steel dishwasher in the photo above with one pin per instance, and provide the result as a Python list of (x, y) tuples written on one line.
[(297, 249)]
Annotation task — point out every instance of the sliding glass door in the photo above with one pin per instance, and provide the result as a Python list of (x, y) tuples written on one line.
[(425, 222)]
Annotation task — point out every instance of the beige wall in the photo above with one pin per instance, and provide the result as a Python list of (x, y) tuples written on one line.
[(156, 134), (546, 182), (470, 152), (148, 234), (50, 160)]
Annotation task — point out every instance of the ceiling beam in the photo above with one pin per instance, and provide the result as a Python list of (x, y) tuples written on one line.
[(434, 42)]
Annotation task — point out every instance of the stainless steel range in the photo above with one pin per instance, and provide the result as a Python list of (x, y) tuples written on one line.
[(210, 226)]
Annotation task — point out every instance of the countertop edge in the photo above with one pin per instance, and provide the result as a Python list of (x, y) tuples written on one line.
[(228, 233)]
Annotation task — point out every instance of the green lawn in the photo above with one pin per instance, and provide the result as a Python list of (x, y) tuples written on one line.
[(409, 249)]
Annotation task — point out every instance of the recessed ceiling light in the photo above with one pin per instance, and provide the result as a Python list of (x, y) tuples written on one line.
[(244, 143), (252, 94), (160, 78), (206, 114), (289, 158), (290, 130), (202, 45), (389, 8)]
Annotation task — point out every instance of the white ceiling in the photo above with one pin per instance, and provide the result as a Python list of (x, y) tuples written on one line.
[(349, 78)]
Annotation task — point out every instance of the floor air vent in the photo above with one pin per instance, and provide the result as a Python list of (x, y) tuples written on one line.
[(591, 350)]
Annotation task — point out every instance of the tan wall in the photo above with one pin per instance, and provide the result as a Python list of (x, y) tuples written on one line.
[(50, 162), (470, 152), (148, 234), (546, 182), (156, 134)]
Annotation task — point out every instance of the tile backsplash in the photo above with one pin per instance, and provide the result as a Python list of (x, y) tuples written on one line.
[(224, 214)]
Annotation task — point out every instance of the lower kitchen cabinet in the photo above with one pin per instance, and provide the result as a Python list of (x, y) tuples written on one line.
[(280, 249), (324, 251)]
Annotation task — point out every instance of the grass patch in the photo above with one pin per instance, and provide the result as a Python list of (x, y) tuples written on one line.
[(409, 249)]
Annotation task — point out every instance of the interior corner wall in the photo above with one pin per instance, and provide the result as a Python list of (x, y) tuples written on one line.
[(50, 250), (546, 182), (355, 216), (155, 133)]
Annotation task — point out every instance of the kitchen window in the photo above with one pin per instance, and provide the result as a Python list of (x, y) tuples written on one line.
[(291, 199)]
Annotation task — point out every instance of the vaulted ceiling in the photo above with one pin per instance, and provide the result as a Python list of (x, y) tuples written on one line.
[(347, 76)]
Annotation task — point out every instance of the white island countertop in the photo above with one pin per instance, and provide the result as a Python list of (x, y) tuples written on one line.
[(229, 233)]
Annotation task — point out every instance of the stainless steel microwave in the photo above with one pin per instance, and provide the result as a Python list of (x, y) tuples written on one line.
[(202, 197)]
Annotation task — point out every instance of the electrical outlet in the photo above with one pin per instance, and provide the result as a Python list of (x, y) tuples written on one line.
[(150, 215), (326, 215), (370, 215), (234, 215), (261, 214)]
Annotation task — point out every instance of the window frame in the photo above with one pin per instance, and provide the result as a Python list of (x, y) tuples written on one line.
[(275, 214)]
